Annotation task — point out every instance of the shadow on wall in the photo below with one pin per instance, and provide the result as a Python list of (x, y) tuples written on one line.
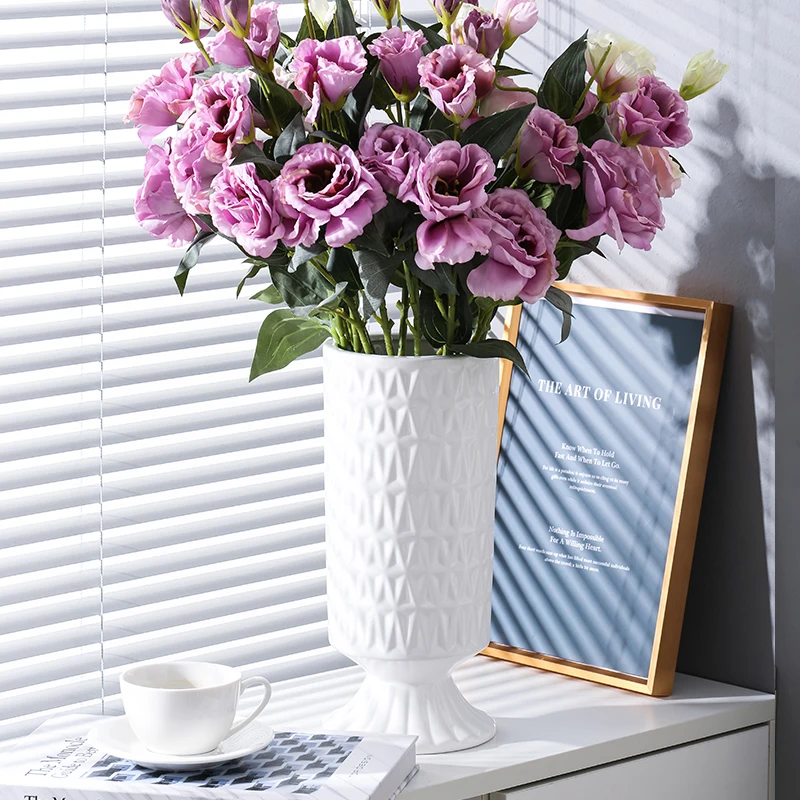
[(727, 632)]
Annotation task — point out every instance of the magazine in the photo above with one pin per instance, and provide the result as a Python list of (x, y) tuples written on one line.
[(57, 763)]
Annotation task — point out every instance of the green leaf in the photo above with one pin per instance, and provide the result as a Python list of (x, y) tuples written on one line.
[(498, 132), (253, 153), (315, 33), (592, 128), (568, 251), (304, 286), (281, 100), (291, 139), (303, 254), (567, 207), (331, 136), (492, 348), (434, 323), (342, 266), (510, 72), (376, 273), (565, 80), (542, 194), (435, 136), (563, 302), (435, 41), (344, 23), (507, 176), (421, 111), (191, 257), (408, 230), (441, 278), (283, 338), (270, 295), (382, 95), (356, 107), (328, 304)]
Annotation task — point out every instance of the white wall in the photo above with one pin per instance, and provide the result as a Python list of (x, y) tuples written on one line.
[(719, 243)]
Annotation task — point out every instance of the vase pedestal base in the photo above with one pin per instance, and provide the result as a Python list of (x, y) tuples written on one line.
[(435, 712)]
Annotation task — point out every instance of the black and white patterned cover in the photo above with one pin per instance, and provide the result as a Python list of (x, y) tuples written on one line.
[(294, 765)]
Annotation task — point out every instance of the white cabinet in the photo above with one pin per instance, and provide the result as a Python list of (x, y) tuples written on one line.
[(731, 767)]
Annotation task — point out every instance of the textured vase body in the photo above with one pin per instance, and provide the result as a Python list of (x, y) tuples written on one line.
[(410, 458)]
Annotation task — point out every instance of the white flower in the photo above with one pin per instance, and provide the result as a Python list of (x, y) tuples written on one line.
[(323, 11), (616, 64), (703, 73)]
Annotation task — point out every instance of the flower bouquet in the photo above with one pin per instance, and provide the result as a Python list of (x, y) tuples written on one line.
[(343, 162)]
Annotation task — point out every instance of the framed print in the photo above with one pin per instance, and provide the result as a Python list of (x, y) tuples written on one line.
[(602, 460)]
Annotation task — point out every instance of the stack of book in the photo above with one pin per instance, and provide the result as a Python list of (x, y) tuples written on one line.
[(57, 762)]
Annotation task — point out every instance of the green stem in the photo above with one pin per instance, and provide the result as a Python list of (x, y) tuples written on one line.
[(358, 324), (391, 115), (403, 329), (413, 291), (456, 130), (451, 319), (324, 272), (202, 48), (386, 326), (309, 19), (407, 115), (582, 98)]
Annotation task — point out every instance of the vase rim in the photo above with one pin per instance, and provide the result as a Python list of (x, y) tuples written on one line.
[(331, 345)]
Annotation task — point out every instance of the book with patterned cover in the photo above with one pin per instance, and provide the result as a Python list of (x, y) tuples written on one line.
[(57, 763)]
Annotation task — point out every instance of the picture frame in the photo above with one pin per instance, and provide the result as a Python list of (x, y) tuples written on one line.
[(544, 588)]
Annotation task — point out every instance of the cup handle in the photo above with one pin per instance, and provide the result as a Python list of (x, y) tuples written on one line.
[(246, 684)]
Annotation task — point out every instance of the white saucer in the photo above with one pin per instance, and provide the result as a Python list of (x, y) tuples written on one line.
[(114, 736)]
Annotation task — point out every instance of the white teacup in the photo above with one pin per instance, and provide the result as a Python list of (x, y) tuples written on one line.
[(185, 707)]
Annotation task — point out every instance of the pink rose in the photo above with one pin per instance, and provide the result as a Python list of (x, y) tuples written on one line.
[(222, 103), (393, 155), (158, 102), (479, 29), (451, 181), (156, 206), (399, 53), (547, 146), (621, 196), (326, 72), (242, 208), (504, 96), (320, 185), (517, 17), (522, 261), (655, 115), (663, 168), (190, 169), (454, 240), (456, 77)]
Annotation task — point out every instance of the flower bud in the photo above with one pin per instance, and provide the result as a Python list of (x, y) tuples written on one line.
[(386, 8), (479, 29), (517, 17), (616, 64), (233, 14), (183, 14), (704, 72)]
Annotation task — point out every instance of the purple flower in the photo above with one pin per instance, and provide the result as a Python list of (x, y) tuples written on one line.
[(654, 115), (399, 53), (456, 77), (448, 8), (326, 72), (506, 94), (183, 15), (621, 196), (522, 261), (479, 29), (158, 102), (547, 146), (262, 40), (242, 207), (156, 206), (191, 171), (451, 181), (223, 104), (320, 185), (234, 14), (455, 240), (589, 105), (393, 155), (517, 17)]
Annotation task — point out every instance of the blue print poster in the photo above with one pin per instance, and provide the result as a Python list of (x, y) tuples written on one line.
[(588, 474)]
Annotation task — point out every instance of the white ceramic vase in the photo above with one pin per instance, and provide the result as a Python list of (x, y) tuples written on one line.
[(410, 458)]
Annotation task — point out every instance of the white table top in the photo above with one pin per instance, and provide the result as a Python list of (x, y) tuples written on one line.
[(547, 725)]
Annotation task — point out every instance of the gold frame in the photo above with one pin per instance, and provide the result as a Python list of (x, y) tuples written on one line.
[(699, 430)]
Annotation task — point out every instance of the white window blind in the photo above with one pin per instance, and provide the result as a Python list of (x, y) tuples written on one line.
[(152, 502)]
